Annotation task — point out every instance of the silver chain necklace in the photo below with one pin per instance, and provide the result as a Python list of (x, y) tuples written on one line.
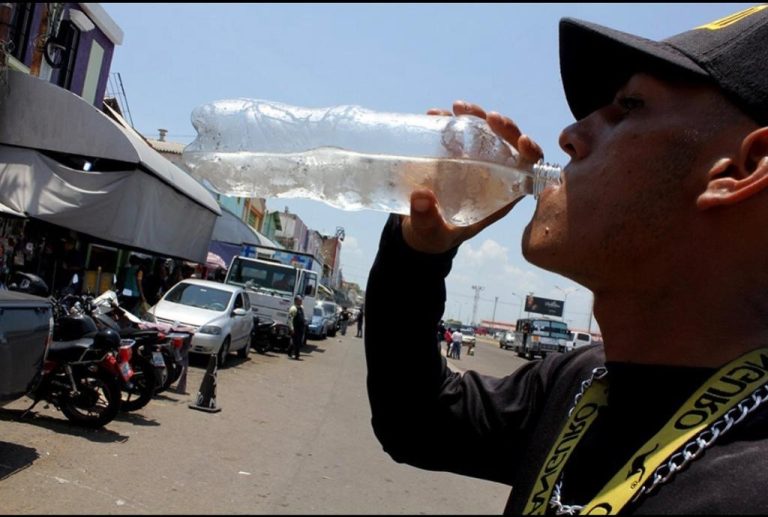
[(689, 452)]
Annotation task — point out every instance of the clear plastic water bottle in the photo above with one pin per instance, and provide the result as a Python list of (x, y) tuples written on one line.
[(353, 158)]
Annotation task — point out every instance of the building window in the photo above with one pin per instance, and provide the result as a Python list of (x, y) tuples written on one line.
[(93, 73), (14, 29), (60, 52)]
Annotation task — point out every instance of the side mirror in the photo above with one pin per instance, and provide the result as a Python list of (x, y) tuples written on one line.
[(239, 312)]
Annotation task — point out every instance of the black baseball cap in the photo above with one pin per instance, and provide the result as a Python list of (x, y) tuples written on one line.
[(732, 53)]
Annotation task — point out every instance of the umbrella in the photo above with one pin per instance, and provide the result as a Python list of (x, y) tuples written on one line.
[(214, 261)]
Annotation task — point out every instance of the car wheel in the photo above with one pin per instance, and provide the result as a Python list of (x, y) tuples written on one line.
[(245, 351), (223, 352)]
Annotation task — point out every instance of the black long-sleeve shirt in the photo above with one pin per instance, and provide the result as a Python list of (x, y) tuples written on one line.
[(501, 429)]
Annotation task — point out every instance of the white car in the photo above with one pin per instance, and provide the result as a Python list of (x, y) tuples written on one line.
[(220, 314), (468, 335)]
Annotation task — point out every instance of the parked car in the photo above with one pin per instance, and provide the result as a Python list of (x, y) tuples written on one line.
[(26, 331), (319, 325), (507, 340), (331, 311), (220, 314)]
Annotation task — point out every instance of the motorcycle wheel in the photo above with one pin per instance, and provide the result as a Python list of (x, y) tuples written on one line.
[(260, 343), (143, 387), (97, 403), (174, 372)]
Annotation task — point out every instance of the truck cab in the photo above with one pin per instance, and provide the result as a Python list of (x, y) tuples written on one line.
[(539, 337), (271, 287)]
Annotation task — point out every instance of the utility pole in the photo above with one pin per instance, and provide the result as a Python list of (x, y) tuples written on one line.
[(493, 318), (477, 289)]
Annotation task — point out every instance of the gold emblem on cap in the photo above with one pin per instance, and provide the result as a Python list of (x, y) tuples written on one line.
[(733, 18)]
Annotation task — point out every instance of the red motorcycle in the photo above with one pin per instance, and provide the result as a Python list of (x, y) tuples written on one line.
[(164, 345), (82, 377)]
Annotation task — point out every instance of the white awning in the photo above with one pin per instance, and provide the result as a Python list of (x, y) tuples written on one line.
[(131, 195)]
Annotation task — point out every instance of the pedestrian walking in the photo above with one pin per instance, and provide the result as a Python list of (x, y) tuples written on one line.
[(344, 320), (456, 338), (297, 327), (359, 320)]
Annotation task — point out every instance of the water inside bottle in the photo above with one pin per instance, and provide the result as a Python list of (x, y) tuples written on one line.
[(467, 191)]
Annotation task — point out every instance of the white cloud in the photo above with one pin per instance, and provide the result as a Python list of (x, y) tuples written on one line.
[(506, 279)]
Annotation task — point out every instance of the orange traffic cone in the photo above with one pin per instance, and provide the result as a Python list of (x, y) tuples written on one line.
[(206, 397)]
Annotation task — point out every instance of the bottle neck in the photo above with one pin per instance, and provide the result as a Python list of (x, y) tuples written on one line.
[(545, 174)]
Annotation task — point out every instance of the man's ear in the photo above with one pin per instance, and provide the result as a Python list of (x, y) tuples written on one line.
[(733, 180)]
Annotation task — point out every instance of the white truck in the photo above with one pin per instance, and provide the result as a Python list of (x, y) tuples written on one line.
[(539, 336), (272, 280)]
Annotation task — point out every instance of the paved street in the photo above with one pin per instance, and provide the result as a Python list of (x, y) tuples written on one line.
[(293, 437)]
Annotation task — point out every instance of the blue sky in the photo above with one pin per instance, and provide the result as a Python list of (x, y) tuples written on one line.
[(388, 57)]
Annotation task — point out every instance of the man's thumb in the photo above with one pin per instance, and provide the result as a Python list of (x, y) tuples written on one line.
[(424, 212)]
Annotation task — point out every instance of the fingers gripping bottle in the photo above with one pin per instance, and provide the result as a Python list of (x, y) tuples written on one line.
[(353, 158)]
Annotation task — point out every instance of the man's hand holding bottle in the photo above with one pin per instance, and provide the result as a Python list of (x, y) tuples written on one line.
[(425, 229)]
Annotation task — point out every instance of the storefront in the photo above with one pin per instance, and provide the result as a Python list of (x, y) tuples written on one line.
[(70, 174)]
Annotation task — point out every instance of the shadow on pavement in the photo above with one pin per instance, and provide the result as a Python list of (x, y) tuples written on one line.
[(310, 348), (62, 425), (136, 419), (14, 458)]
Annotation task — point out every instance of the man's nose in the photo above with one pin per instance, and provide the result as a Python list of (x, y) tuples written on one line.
[(573, 140)]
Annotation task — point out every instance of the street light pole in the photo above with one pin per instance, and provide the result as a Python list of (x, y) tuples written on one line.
[(477, 289), (520, 313), (566, 292)]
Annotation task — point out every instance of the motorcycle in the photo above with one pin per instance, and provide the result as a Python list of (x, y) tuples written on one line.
[(262, 334), (84, 319), (80, 374), (165, 351), (79, 378)]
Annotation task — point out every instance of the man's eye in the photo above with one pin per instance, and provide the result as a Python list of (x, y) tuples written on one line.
[(629, 103)]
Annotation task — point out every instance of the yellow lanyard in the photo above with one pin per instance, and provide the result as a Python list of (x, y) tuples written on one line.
[(723, 391)]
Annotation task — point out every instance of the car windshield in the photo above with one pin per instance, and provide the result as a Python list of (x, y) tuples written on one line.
[(199, 296), (468, 331), (317, 311)]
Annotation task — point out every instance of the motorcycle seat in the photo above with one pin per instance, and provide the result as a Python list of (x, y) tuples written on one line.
[(134, 333), (60, 346)]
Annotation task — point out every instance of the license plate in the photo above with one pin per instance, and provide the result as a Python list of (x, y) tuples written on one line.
[(126, 371), (157, 359)]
